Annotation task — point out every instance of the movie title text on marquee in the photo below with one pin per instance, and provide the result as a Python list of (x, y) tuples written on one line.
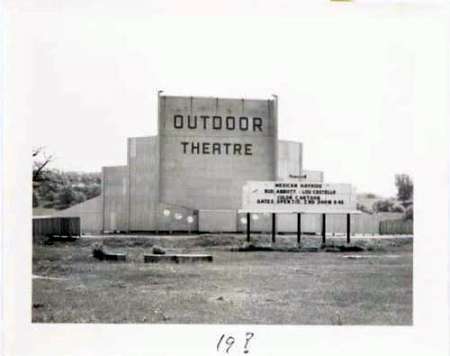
[(298, 197)]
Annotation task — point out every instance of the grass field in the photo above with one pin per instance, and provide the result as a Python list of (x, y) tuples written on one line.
[(238, 287)]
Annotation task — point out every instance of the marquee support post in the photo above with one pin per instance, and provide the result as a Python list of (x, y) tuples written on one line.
[(274, 227), (324, 228), (248, 227), (299, 228), (348, 228)]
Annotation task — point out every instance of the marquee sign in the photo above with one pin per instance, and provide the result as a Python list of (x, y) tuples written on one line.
[(298, 197)]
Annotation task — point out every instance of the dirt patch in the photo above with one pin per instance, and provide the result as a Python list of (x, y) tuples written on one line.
[(342, 248), (49, 278), (355, 257)]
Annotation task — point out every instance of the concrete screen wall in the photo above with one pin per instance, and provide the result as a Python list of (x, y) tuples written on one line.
[(206, 150), (290, 156), (143, 170), (115, 198), (177, 220), (209, 147), (217, 220), (312, 176)]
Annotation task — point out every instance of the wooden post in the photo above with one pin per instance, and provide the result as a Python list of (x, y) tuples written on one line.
[(248, 227), (274, 227), (299, 228), (348, 228), (324, 228)]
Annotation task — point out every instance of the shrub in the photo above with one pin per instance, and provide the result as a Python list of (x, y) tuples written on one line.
[(397, 208), (409, 213), (383, 206), (363, 208)]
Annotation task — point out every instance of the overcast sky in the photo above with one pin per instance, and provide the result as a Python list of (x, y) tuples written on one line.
[(345, 80)]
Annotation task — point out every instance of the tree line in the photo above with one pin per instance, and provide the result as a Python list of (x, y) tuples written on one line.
[(402, 203), (55, 189)]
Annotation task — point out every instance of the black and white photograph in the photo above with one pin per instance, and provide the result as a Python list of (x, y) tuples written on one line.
[(196, 166), (218, 220)]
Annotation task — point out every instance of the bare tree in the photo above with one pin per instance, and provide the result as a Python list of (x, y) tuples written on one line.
[(40, 160)]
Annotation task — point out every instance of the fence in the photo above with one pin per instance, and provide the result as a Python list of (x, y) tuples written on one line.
[(312, 223), (396, 227), (56, 226)]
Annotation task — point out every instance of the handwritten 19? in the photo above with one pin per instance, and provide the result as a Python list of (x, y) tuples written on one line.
[(226, 342)]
